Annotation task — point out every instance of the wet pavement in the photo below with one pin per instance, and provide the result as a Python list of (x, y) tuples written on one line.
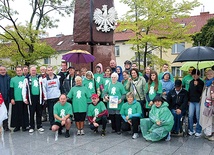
[(24, 143)]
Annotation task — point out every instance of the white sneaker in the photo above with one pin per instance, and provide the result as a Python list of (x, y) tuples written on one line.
[(78, 132), (41, 130), (191, 133), (135, 135), (168, 138), (82, 132), (197, 134), (31, 130)]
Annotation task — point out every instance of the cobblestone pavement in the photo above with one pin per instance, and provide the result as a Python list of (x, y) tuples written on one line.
[(23, 143)]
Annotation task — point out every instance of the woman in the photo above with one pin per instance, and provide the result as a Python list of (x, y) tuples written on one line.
[(131, 113), (206, 119), (147, 73), (114, 95), (99, 73), (136, 84), (79, 96), (153, 89), (159, 123), (167, 84), (120, 73)]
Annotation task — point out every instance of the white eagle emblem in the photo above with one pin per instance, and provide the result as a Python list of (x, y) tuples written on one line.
[(105, 18)]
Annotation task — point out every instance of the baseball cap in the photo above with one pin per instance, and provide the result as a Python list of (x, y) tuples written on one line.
[(71, 67), (178, 83), (94, 96)]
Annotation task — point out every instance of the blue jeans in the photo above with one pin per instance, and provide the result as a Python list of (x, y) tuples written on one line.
[(177, 119), (194, 107)]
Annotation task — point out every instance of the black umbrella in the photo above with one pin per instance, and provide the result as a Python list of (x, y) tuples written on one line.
[(198, 53)]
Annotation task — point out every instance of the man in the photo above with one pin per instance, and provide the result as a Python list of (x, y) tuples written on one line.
[(32, 95), (195, 91), (62, 115), (97, 114), (5, 91), (69, 81), (127, 65), (165, 68), (25, 71), (186, 80), (63, 74), (43, 73), (19, 116), (51, 91), (83, 73), (178, 103), (113, 65)]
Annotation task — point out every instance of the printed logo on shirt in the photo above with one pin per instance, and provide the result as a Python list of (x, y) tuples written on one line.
[(62, 113), (113, 90), (20, 85), (129, 111), (96, 111), (152, 90), (90, 85), (79, 94)]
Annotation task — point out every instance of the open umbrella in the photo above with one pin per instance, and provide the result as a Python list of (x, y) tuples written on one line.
[(201, 65), (78, 56), (198, 53)]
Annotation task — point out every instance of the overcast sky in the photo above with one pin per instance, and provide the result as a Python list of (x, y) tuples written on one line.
[(66, 23)]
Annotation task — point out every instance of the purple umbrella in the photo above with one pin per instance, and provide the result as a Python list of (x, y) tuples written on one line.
[(78, 56)]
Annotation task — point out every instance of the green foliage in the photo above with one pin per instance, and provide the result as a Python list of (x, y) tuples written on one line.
[(21, 42), (206, 36), (154, 24)]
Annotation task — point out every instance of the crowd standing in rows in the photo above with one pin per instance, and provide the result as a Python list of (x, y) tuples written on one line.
[(130, 100)]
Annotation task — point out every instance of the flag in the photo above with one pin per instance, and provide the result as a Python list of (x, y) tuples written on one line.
[(3, 110)]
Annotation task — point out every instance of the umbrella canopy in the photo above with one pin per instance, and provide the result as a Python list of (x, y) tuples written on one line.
[(197, 64), (78, 56), (198, 53)]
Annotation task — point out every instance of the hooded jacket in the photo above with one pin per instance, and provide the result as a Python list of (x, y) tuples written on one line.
[(5, 87), (167, 85)]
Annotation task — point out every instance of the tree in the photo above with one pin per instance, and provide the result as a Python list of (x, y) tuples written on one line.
[(206, 36), (21, 42), (155, 24)]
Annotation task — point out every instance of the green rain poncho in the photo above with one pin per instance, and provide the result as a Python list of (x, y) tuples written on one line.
[(150, 130)]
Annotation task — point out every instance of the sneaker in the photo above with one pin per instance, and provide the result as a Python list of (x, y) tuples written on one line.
[(197, 134), (119, 133), (41, 130), (82, 132), (31, 130), (103, 133), (211, 138), (135, 135), (16, 129), (95, 130), (191, 133), (78, 132), (168, 138), (67, 134)]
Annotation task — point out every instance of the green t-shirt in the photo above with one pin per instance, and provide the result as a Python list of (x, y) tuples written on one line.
[(34, 86), (62, 110), (98, 77), (186, 80), (129, 109), (124, 85), (17, 83), (105, 82), (116, 89), (79, 96), (94, 110), (90, 86), (152, 93)]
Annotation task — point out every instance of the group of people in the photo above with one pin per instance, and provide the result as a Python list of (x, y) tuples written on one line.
[(130, 100)]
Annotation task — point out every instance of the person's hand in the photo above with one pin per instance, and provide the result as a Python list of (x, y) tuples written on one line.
[(150, 103), (94, 119), (195, 83), (106, 98), (26, 102), (164, 93), (178, 111), (64, 119), (95, 124), (127, 118), (158, 123), (119, 101), (12, 101), (129, 121), (63, 123), (130, 79)]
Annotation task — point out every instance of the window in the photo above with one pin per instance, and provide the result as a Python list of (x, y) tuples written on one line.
[(177, 48), (59, 43), (47, 61), (176, 72), (117, 51)]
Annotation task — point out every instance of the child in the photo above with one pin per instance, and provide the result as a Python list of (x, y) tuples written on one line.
[(3, 112), (159, 123)]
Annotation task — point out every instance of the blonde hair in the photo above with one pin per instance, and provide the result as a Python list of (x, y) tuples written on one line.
[(130, 94), (78, 78)]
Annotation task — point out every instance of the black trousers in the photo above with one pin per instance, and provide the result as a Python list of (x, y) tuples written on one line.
[(135, 123), (102, 121), (36, 107), (19, 116), (115, 122), (50, 103)]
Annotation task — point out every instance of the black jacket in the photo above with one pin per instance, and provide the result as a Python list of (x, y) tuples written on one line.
[(5, 87), (195, 91), (62, 75), (178, 101), (67, 84)]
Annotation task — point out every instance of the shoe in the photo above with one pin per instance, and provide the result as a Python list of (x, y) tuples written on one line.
[(211, 138), (60, 131), (24, 129), (67, 134), (50, 128), (78, 132), (41, 130), (168, 138), (174, 132), (95, 130), (103, 133), (197, 134), (135, 135), (82, 132), (118, 132), (6, 129), (113, 131), (191, 133), (44, 119), (16, 129), (31, 130)]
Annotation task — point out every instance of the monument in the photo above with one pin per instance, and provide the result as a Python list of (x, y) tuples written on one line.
[(94, 24)]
